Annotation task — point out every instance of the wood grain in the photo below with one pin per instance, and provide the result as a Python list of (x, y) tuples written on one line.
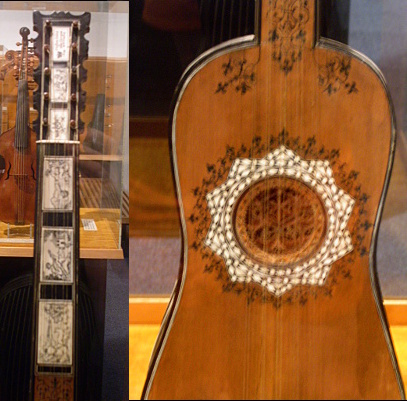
[(218, 342), (141, 343)]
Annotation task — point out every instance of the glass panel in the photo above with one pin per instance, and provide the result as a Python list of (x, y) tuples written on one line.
[(103, 158)]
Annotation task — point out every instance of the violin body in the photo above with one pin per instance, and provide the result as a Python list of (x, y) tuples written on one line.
[(272, 302), (18, 181), (18, 153)]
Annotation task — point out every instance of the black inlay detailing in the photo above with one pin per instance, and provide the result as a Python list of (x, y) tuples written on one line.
[(56, 291), (359, 225), (59, 219)]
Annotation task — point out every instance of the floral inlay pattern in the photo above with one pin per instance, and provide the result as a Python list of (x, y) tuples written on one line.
[(346, 178), (334, 75), (275, 277), (287, 19), (239, 74)]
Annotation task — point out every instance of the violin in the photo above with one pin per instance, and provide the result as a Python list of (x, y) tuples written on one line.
[(282, 145), (18, 155)]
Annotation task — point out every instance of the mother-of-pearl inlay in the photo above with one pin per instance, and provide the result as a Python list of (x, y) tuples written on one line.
[(279, 221)]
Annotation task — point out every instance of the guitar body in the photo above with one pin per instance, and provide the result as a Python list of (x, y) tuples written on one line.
[(272, 302)]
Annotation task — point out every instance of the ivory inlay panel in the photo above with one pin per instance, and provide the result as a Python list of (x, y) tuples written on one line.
[(59, 84), (55, 333), (59, 125), (60, 43), (58, 183), (282, 261), (57, 254)]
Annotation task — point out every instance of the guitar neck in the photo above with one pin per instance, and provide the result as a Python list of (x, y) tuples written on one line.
[(61, 48)]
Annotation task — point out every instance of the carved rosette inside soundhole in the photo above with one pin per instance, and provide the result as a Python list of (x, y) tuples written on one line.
[(279, 221)]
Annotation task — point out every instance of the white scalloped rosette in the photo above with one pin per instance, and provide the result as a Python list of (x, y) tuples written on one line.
[(318, 176)]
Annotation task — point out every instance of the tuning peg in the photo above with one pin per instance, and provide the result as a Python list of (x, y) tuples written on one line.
[(31, 40), (18, 43)]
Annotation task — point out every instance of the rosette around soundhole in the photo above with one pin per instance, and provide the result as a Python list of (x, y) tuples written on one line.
[(276, 251), (279, 221)]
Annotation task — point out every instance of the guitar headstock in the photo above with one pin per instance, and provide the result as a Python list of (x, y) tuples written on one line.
[(61, 48)]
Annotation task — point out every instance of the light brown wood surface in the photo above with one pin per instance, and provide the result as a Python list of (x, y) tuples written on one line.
[(218, 344), (143, 336)]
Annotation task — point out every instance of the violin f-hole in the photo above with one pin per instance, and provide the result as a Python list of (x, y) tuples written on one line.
[(8, 171), (33, 171)]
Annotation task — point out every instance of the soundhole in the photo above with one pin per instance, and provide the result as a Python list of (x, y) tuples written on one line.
[(279, 221)]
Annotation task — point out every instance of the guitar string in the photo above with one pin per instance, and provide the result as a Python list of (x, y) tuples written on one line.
[(314, 329), (73, 222), (318, 127), (246, 375), (250, 223), (295, 212), (249, 303), (280, 250), (262, 303), (298, 307), (232, 7), (295, 229), (215, 17), (274, 20)]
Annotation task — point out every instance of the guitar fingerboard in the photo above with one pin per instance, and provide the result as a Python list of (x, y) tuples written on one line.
[(61, 48)]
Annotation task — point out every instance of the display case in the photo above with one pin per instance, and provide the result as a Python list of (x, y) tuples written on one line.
[(89, 168), (103, 158)]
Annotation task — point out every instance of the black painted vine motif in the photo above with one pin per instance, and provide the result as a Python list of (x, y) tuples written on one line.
[(239, 74), (334, 75), (346, 179), (287, 35)]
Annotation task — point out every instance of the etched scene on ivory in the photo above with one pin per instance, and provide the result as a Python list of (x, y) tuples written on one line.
[(55, 333), (57, 254)]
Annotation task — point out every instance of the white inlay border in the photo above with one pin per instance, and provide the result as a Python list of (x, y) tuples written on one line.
[(318, 176)]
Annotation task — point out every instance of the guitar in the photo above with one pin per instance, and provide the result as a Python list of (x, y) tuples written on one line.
[(272, 137), (61, 48)]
